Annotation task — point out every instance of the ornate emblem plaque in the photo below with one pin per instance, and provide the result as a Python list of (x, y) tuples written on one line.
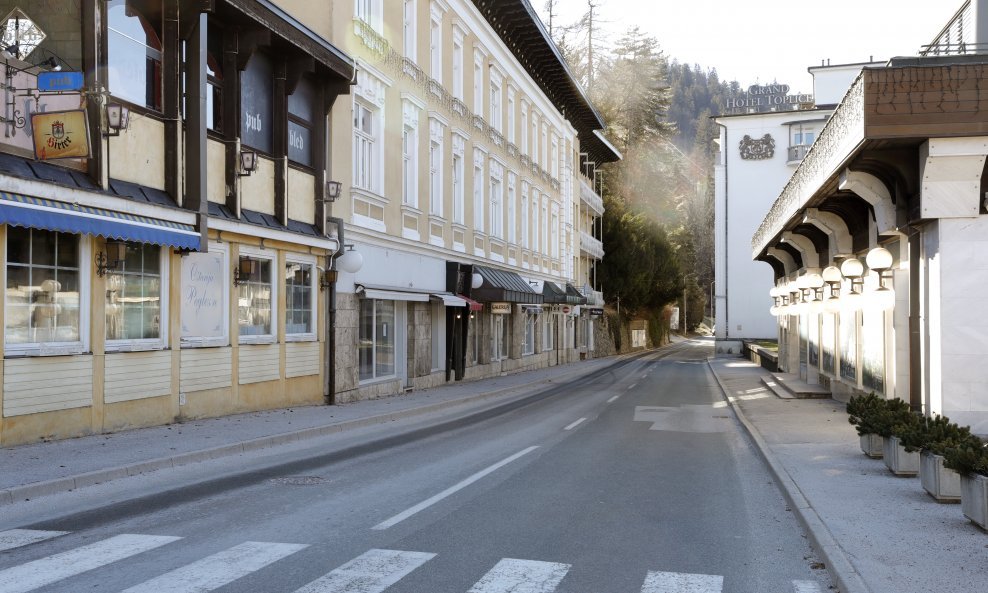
[(754, 150)]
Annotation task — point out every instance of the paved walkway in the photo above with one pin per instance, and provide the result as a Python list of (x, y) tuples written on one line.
[(875, 532)]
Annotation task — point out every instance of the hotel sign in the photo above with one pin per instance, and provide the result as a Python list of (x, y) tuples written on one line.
[(767, 97), (60, 134)]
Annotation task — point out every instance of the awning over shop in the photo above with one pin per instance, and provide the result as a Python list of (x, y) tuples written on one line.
[(503, 286), (448, 300), (474, 305), (387, 293), (552, 293), (574, 295), (41, 213)]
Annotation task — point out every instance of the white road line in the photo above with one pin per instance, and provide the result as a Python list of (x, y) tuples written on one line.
[(575, 424), (681, 582), (50, 569), (217, 570), (15, 538), (613, 399), (521, 576), (807, 587), (633, 385), (371, 572), (449, 491)]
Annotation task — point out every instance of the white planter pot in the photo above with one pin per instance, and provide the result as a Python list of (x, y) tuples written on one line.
[(898, 460), (974, 498), (942, 483), (871, 445)]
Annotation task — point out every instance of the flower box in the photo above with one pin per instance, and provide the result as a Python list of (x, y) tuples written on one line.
[(974, 498), (942, 483), (871, 445), (900, 462)]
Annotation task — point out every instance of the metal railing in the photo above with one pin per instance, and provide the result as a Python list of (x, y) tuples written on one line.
[(591, 246), (798, 152), (590, 198)]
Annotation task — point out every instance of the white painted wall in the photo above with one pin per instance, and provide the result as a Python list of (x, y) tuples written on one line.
[(830, 83)]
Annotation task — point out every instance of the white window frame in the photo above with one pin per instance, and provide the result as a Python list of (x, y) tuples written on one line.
[(437, 132), (458, 74), (478, 81), (271, 257), (459, 179), (161, 342), (524, 128), (554, 231), (436, 41), (528, 333), (545, 145), (310, 261), (534, 152), (548, 339), (410, 152), (510, 123), (409, 30), (495, 99), (369, 94), (478, 190), (399, 319), (85, 290), (536, 208), (525, 215), (226, 283), (370, 12), (554, 157), (512, 218), (543, 235)]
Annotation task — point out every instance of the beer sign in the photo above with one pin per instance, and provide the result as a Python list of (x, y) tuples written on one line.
[(60, 135)]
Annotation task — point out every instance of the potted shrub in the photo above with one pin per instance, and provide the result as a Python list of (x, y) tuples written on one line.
[(932, 436), (862, 412), (901, 419), (970, 460)]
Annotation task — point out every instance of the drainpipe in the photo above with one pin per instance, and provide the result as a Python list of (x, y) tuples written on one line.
[(727, 247), (331, 313)]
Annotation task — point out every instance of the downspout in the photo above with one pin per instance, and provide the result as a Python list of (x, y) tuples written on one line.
[(331, 311), (727, 248)]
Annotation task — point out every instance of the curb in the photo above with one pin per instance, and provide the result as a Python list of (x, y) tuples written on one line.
[(69, 483), (846, 577)]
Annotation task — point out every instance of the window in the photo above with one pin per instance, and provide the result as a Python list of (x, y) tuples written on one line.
[(133, 297), (301, 121), (435, 167), (495, 105), (409, 170), (458, 171), (478, 82), (524, 214), (511, 208), (543, 234), (497, 200), (534, 153), (436, 49), (376, 348), (524, 128), (457, 63), (42, 300), (368, 11), (544, 146), (528, 346), (256, 103), (300, 299), (554, 232), (500, 328), (214, 80), (549, 323), (134, 53), (364, 147), (554, 157), (408, 28), (536, 245), (510, 134), (254, 299), (478, 191)]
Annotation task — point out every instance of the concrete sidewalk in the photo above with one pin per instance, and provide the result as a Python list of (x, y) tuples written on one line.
[(876, 532)]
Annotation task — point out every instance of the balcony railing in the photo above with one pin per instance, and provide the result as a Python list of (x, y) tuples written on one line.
[(590, 198), (590, 246), (796, 153)]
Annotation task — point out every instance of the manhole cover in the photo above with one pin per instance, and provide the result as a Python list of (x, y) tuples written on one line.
[(299, 480)]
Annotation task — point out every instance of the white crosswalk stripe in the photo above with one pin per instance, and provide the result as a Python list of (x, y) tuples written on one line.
[(219, 569), (50, 569), (371, 572), (680, 582), (15, 538), (521, 576)]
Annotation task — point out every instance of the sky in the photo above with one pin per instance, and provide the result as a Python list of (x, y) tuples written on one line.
[(765, 41)]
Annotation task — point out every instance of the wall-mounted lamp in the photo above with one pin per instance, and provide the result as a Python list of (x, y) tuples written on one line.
[(117, 118), (248, 163), (880, 260), (351, 261), (332, 191), (852, 269), (476, 280), (116, 252), (244, 270), (327, 278), (832, 277)]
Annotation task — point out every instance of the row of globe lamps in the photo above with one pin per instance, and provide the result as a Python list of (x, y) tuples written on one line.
[(806, 294)]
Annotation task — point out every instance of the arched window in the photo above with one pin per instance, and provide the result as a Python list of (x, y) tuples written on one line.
[(134, 52)]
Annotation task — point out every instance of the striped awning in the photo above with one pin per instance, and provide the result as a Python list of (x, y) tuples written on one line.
[(41, 213)]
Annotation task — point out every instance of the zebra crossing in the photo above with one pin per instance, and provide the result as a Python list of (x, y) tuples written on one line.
[(371, 572)]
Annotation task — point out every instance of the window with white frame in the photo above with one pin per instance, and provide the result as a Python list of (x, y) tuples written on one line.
[(543, 234), (536, 244), (436, 43), (436, 133), (554, 157), (549, 322), (365, 149), (534, 153), (554, 232), (256, 294), (376, 339), (497, 199), (458, 35), (478, 190), (528, 345), (524, 128), (512, 215), (544, 155), (478, 82), (368, 11), (300, 300), (510, 133), (409, 170), (500, 337), (524, 215), (134, 299), (459, 207), (44, 297), (408, 28), (495, 103)]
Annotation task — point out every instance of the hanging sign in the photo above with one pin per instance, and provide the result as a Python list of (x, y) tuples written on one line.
[(60, 81), (500, 308), (60, 134)]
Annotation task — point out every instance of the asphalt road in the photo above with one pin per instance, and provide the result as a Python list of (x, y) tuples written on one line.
[(635, 479)]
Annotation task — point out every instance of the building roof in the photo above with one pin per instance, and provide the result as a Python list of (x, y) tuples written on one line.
[(521, 30)]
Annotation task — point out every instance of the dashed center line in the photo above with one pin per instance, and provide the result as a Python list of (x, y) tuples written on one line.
[(575, 424), (633, 385), (613, 399)]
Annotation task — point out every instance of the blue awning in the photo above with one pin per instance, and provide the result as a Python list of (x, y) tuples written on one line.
[(40, 213)]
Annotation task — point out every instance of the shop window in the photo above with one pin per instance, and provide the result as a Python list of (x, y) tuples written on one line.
[(302, 115), (549, 323), (256, 102), (43, 298), (254, 299), (134, 299), (376, 339), (300, 299), (134, 51), (528, 345)]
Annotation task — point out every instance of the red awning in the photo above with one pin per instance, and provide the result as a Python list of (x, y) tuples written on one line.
[(474, 305)]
